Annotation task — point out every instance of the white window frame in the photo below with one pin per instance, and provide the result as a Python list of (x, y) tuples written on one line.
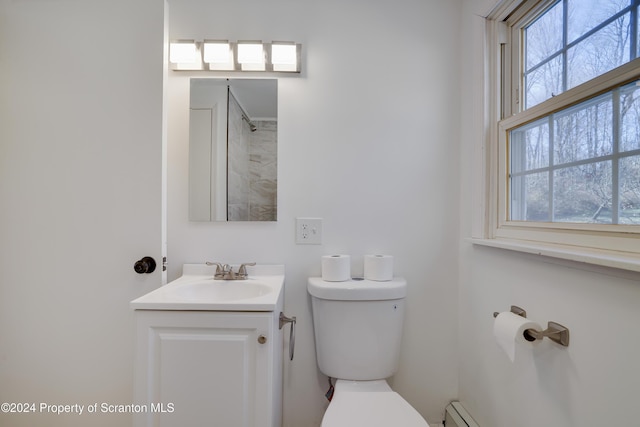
[(615, 246)]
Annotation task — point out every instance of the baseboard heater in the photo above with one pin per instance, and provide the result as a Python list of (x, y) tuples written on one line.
[(456, 416)]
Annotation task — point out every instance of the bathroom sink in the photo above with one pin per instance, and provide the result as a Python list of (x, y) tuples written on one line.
[(221, 290), (196, 289)]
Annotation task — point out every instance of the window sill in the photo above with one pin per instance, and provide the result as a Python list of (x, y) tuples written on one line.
[(604, 258)]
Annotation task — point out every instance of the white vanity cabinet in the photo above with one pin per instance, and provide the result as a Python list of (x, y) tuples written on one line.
[(209, 352), (208, 368)]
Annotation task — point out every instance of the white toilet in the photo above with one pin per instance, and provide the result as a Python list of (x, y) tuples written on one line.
[(358, 328)]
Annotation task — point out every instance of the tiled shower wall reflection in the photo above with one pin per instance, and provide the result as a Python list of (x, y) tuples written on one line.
[(252, 168), (263, 168)]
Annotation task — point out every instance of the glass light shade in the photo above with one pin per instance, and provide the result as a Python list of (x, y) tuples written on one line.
[(284, 54), (250, 53), (183, 52), (217, 52)]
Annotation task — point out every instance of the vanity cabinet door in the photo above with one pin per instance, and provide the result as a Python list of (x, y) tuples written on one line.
[(205, 368)]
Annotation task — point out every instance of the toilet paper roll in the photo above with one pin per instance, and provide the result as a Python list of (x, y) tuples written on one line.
[(336, 268), (378, 267), (509, 328)]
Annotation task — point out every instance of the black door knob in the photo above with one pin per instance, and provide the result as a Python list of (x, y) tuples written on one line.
[(145, 265)]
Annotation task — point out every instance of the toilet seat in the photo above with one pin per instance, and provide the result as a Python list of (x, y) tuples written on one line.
[(371, 409)]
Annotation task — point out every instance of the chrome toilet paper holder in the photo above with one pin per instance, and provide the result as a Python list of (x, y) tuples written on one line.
[(555, 331)]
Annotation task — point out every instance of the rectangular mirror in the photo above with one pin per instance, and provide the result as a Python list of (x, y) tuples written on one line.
[(233, 134)]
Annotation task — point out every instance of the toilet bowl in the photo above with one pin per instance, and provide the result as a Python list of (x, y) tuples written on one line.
[(357, 327), (369, 404)]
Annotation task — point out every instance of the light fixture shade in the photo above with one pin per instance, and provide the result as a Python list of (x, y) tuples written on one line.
[(217, 51), (283, 53), (183, 52), (218, 54), (285, 56), (251, 56)]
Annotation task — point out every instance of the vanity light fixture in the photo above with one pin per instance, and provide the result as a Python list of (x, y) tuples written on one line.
[(223, 55)]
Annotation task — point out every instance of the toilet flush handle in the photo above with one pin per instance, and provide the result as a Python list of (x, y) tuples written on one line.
[(292, 332)]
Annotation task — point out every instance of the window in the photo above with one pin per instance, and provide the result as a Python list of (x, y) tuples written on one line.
[(569, 138)]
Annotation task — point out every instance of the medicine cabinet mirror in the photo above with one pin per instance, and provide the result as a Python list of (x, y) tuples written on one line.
[(233, 149)]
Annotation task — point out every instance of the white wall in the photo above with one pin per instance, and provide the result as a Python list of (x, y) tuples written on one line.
[(593, 382), (367, 140)]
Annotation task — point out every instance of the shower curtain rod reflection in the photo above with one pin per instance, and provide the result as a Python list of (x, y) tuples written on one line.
[(245, 116), (249, 122)]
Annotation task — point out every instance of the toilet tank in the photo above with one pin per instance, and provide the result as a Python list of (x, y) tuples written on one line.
[(358, 326)]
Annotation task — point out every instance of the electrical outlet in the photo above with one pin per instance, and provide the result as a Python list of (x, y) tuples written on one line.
[(309, 231)]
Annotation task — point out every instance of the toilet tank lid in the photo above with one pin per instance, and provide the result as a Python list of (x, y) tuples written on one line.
[(357, 290)]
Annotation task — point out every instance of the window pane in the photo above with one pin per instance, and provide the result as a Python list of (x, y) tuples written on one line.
[(546, 53), (584, 132), (599, 53), (629, 117), (581, 140), (584, 15), (583, 193), (530, 197), (530, 146), (543, 82), (630, 190), (543, 37)]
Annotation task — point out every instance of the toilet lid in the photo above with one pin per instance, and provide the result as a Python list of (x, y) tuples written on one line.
[(371, 409)]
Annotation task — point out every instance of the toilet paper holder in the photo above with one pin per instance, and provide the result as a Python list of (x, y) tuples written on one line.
[(555, 331)]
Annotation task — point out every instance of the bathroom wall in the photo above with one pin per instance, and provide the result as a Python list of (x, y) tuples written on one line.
[(368, 141), (593, 382)]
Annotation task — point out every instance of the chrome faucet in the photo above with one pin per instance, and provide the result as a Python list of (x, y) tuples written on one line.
[(225, 272)]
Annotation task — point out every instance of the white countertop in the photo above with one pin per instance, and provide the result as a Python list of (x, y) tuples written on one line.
[(197, 290)]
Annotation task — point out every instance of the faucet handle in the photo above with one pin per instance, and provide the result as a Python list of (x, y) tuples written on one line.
[(219, 268), (242, 270)]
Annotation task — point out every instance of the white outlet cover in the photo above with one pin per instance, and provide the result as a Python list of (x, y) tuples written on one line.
[(309, 231)]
